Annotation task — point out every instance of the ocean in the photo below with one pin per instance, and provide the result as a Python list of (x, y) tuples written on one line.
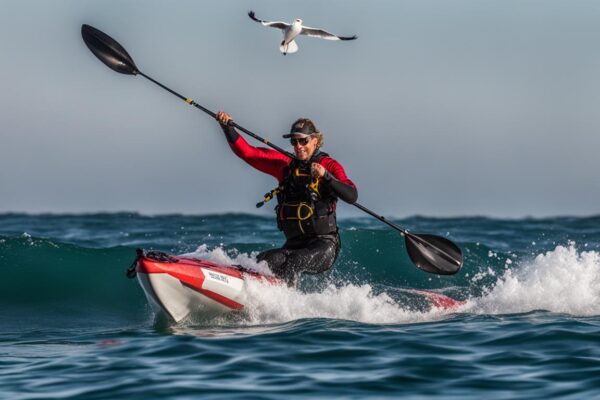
[(72, 326)]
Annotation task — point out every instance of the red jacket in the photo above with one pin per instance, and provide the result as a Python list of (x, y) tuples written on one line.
[(273, 162)]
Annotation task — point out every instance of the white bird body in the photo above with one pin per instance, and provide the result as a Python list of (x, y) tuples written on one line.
[(288, 45), (291, 31)]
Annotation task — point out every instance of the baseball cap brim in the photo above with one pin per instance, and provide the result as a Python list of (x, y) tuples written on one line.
[(296, 135)]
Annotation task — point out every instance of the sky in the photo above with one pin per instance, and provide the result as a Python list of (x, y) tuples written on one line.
[(440, 108)]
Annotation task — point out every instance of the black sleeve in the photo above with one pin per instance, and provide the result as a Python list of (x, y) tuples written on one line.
[(345, 192), (230, 133)]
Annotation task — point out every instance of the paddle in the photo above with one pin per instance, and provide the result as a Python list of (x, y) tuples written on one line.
[(430, 253)]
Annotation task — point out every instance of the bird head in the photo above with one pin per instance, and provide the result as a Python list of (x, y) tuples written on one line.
[(298, 21)]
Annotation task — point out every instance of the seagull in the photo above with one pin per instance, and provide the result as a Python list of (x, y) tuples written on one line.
[(290, 31)]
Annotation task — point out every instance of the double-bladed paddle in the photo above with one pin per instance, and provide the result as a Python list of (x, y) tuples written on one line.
[(431, 253)]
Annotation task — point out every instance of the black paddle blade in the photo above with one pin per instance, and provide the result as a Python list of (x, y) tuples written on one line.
[(108, 50), (433, 254)]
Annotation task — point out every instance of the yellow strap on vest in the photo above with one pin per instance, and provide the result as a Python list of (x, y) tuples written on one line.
[(300, 174), (314, 185), (307, 216), (271, 194), (301, 217)]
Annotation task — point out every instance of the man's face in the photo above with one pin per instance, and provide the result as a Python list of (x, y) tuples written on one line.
[(304, 146)]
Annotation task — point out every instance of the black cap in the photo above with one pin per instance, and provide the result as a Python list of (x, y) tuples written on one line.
[(303, 127)]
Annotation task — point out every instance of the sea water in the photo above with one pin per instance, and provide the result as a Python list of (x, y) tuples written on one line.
[(73, 326)]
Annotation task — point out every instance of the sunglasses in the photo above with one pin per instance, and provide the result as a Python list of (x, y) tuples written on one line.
[(301, 141)]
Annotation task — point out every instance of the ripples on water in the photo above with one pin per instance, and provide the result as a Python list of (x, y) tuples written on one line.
[(73, 327)]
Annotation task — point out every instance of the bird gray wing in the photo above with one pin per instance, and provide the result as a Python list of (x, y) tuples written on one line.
[(323, 34), (274, 24)]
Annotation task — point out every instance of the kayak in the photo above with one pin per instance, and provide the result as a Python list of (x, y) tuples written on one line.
[(181, 286)]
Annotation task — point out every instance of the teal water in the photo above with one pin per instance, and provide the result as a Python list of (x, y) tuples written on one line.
[(72, 326)]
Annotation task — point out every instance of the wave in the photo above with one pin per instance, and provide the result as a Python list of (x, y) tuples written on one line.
[(45, 272), (365, 286), (564, 280)]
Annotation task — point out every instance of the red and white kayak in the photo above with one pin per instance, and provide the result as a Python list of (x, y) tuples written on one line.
[(180, 286)]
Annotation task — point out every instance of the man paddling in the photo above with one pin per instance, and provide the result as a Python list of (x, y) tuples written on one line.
[(307, 192)]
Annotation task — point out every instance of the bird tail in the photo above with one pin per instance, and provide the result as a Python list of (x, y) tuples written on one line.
[(291, 47)]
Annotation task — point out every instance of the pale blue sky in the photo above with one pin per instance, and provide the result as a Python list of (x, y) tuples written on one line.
[(439, 108)]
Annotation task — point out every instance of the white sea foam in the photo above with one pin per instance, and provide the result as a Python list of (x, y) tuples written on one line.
[(220, 256), (271, 304), (266, 303), (563, 280)]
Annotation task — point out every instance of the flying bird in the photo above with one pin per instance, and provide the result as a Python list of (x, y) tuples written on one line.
[(290, 31)]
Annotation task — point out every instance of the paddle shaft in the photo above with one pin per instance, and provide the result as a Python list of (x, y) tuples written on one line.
[(404, 232), (381, 218), (212, 114)]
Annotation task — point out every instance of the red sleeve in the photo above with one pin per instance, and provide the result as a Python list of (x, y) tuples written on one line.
[(336, 169), (265, 160)]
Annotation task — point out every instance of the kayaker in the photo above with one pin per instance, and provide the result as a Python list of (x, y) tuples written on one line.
[(307, 192)]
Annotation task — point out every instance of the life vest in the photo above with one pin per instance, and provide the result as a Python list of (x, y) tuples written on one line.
[(305, 207)]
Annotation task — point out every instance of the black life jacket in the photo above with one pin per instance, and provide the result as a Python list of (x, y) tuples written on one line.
[(306, 208)]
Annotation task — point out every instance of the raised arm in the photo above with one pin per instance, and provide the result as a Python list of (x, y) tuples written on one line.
[(263, 159)]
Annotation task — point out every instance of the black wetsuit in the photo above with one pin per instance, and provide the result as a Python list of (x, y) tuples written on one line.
[(312, 255)]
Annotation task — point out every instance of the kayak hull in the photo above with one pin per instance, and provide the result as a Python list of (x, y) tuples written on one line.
[(182, 286), (168, 294)]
